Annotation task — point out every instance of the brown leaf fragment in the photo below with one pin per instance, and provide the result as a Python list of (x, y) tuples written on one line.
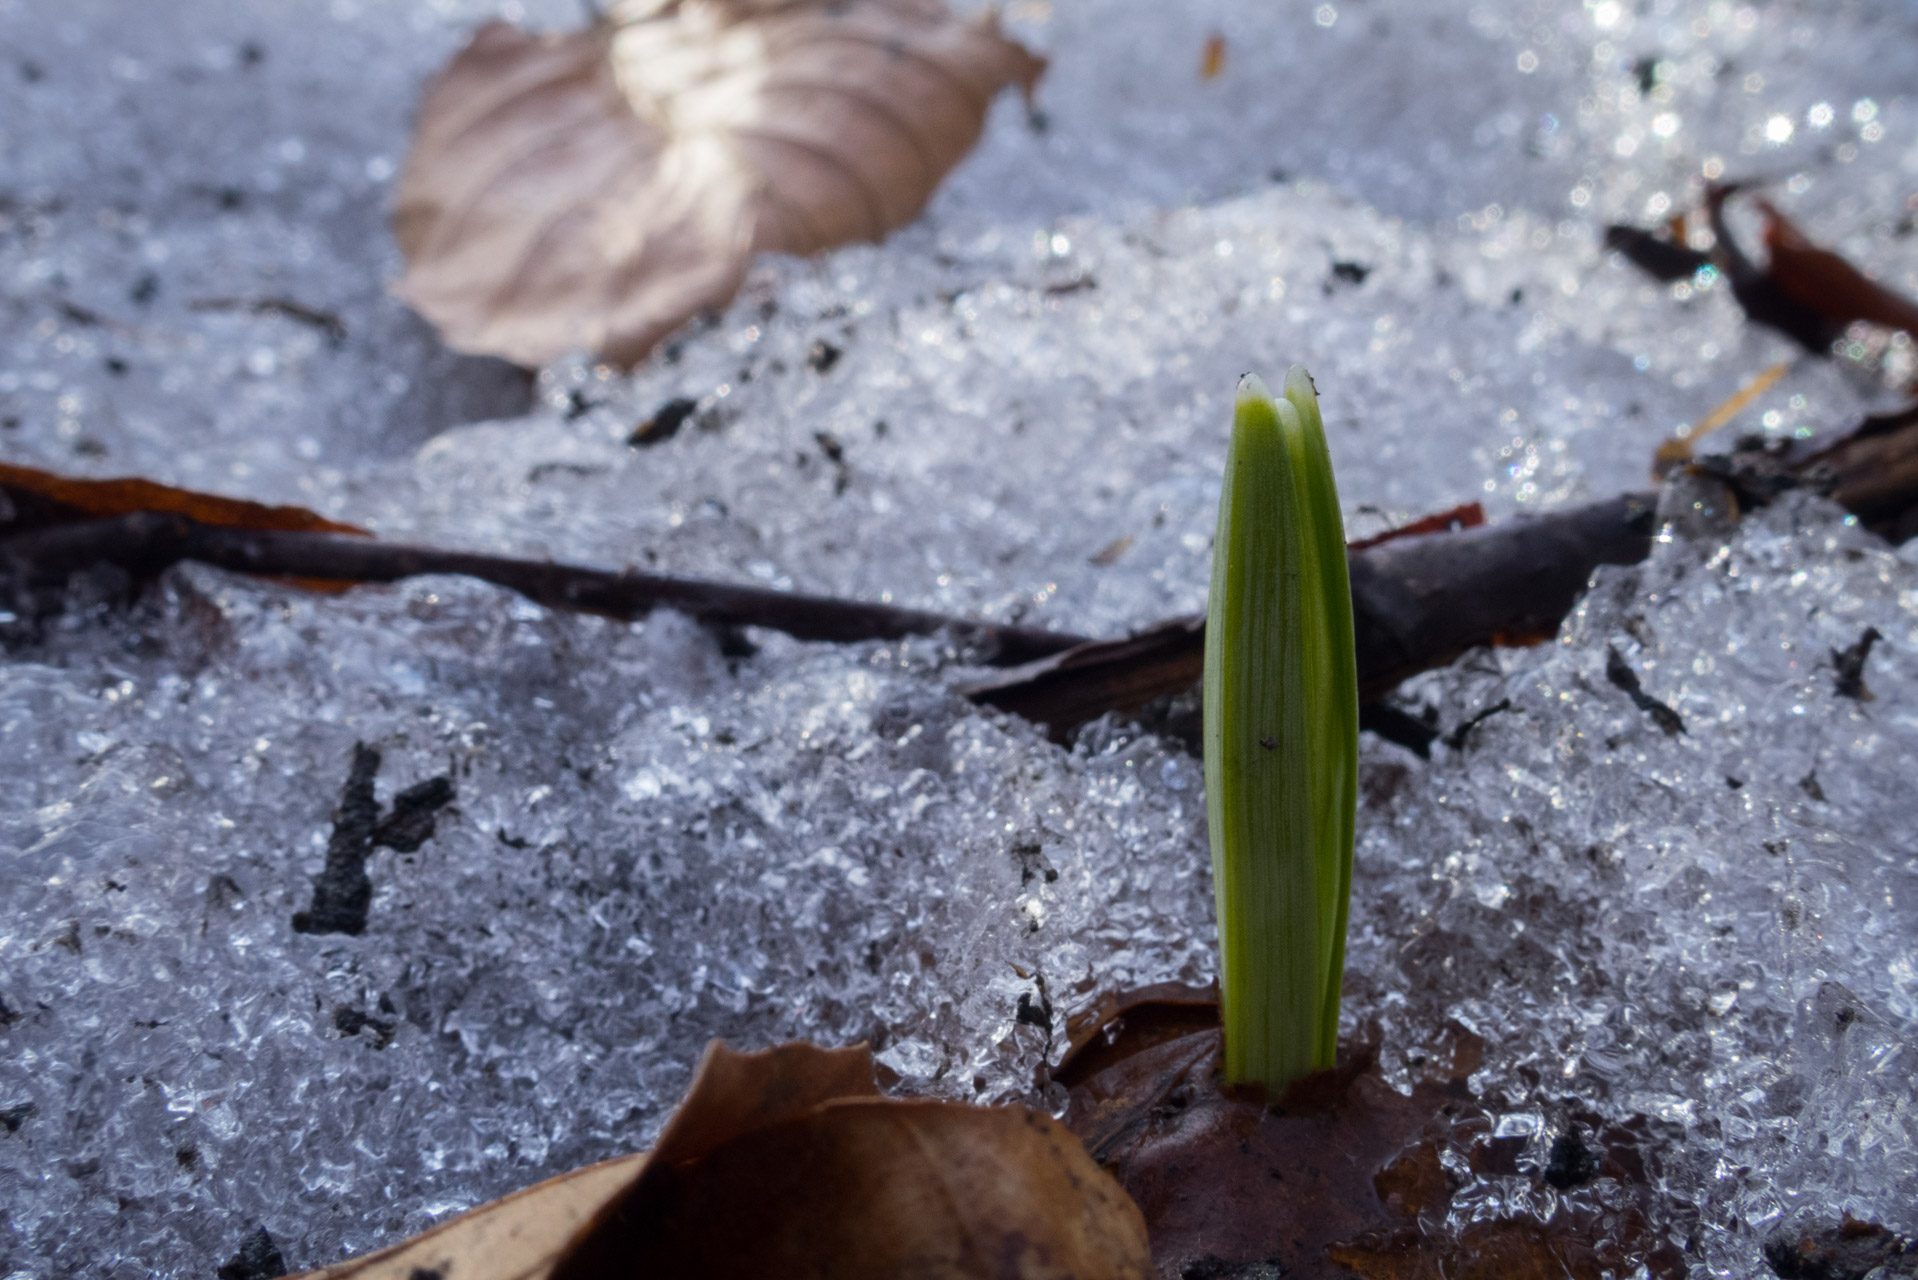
[(1118, 1026), (1565, 1248), (519, 1237), (785, 1163), (1825, 282), (40, 499), (513, 1238), (1850, 1250), (734, 1093), (31, 499), (594, 190)]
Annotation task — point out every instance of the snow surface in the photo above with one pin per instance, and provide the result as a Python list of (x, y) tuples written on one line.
[(655, 843)]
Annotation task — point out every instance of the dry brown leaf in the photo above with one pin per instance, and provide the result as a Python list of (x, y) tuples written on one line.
[(516, 1237), (1827, 283), (734, 1093), (42, 498), (787, 1163), (519, 1237), (877, 1188), (35, 499), (595, 190)]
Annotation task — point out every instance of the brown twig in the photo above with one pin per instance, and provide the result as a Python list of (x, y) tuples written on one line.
[(1417, 603), (1420, 602), (312, 317), (1875, 472), (146, 542)]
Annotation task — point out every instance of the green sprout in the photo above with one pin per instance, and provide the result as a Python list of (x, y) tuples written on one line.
[(1281, 738)]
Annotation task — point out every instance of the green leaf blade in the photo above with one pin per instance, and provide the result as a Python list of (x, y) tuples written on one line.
[(1281, 733)]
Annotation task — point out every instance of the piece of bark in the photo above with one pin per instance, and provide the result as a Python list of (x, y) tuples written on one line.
[(1662, 259), (1875, 471), (342, 892)]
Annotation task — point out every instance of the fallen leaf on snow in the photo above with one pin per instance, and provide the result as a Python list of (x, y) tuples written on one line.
[(1212, 58), (31, 499), (596, 189), (36, 499), (788, 1163), (1806, 292), (1825, 282)]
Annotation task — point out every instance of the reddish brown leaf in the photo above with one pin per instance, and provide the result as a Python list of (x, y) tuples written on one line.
[(41, 498), (595, 190), (1807, 293), (1828, 284), (1468, 515)]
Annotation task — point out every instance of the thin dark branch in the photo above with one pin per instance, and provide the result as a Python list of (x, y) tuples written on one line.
[(312, 317), (146, 542), (1417, 603), (1420, 602)]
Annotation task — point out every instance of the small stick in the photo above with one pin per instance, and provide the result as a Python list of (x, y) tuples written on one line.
[(1417, 603), (146, 542)]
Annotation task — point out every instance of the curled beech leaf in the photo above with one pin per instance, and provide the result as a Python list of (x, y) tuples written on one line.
[(873, 1189), (786, 1162), (596, 189), (521, 1236)]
